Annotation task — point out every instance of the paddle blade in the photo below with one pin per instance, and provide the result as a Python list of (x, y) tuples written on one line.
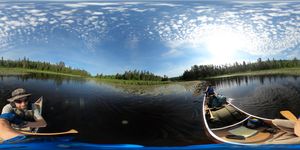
[(73, 131), (287, 114)]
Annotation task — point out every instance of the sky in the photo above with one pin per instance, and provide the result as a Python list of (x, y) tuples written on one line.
[(164, 37)]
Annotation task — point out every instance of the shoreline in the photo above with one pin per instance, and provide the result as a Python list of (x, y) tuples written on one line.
[(283, 71), (22, 71)]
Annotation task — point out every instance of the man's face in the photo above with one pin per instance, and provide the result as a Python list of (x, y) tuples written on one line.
[(21, 103)]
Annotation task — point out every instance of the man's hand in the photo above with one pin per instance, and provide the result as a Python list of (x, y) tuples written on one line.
[(297, 128), (37, 124)]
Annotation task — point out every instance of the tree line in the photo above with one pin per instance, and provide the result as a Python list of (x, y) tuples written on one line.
[(134, 75), (203, 71), (25, 63), (60, 67)]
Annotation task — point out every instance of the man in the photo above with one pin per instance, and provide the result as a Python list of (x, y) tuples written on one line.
[(17, 113), (212, 99), (210, 91)]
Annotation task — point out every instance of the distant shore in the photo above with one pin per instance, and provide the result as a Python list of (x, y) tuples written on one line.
[(21, 71), (283, 71)]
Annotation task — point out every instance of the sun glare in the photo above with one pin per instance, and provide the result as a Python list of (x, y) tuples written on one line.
[(222, 43)]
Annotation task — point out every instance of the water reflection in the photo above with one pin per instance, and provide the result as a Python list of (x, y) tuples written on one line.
[(262, 95), (245, 80), (114, 113), (57, 79)]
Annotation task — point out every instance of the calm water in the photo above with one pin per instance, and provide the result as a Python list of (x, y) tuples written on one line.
[(164, 115), (264, 96), (111, 113)]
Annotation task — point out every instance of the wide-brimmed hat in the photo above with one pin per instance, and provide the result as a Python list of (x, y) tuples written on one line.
[(17, 94)]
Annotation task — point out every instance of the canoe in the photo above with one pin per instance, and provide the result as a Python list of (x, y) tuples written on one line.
[(229, 124)]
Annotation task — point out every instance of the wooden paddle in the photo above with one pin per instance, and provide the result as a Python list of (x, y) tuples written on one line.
[(210, 113), (72, 131), (289, 115)]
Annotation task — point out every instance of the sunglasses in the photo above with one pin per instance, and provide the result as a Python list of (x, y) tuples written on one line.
[(20, 101)]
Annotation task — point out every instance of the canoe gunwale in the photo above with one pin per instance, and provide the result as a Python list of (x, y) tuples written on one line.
[(211, 133), (229, 102), (232, 125), (216, 138)]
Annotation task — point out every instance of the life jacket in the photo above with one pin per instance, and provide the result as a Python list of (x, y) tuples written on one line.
[(26, 114), (210, 91)]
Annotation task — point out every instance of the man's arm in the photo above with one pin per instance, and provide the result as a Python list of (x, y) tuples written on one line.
[(6, 131), (37, 124), (297, 128), (39, 120)]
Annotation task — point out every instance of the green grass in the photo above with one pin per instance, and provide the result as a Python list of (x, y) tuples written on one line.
[(282, 71), (21, 71)]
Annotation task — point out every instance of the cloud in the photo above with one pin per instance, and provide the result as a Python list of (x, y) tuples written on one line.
[(15, 23), (97, 13), (67, 12), (101, 4), (43, 19), (33, 11), (133, 42), (138, 9), (4, 18), (172, 53), (115, 9), (75, 5), (21, 7), (69, 21), (40, 14), (163, 4), (269, 28)]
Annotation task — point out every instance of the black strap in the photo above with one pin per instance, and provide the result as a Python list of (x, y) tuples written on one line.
[(12, 104), (236, 137)]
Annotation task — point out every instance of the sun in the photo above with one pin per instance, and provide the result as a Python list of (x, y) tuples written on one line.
[(222, 44)]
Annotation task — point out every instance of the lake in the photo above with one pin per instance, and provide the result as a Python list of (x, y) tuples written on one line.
[(114, 113), (263, 96), (156, 115)]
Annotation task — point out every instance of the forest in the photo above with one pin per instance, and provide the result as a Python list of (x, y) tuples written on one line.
[(25, 63), (195, 73), (60, 67), (134, 75), (202, 71)]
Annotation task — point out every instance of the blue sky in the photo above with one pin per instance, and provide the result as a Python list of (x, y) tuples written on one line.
[(165, 37)]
